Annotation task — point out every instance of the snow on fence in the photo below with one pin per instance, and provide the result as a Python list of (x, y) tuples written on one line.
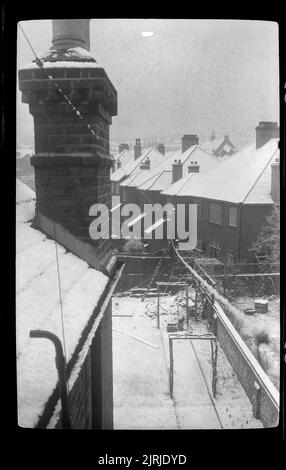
[(261, 392)]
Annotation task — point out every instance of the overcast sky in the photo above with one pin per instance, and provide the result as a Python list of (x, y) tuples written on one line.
[(191, 76)]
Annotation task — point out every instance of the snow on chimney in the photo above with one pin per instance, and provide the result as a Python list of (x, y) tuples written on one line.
[(137, 149), (123, 147), (146, 164), (177, 170), (72, 165), (265, 131), (188, 140)]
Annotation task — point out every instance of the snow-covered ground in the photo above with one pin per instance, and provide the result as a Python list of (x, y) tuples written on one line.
[(269, 322), (141, 375), (38, 307)]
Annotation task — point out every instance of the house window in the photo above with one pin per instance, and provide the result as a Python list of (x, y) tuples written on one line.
[(232, 216), (199, 207), (214, 249), (124, 194), (230, 256), (215, 213)]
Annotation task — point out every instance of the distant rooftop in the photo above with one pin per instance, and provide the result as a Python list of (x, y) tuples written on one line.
[(242, 178)]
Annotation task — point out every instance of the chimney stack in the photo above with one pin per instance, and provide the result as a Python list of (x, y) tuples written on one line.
[(72, 164), (137, 149), (275, 181), (188, 140), (123, 147), (161, 149), (146, 164), (265, 131), (177, 171)]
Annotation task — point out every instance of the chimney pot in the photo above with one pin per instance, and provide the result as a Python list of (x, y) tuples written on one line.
[(123, 147), (71, 33)]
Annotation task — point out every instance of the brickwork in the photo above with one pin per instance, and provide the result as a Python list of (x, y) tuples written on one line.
[(91, 397), (107, 369), (72, 172)]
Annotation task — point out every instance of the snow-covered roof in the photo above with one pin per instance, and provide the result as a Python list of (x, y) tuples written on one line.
[(242, 178), (63, 64), (163, 180), (194, 155), (132, 167), (23, 152), (38, 306), (124, 157)]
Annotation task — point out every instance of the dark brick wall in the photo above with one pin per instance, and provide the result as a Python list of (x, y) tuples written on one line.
[(107, 369), (238, 238), (91, 398), (252, 220), (80, 398)]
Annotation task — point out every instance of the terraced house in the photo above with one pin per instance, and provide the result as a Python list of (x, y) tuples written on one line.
[(234, 198)]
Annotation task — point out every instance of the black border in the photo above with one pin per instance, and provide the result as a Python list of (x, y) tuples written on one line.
[(203, 447)]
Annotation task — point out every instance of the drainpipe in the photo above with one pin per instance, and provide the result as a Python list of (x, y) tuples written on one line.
[(61, 368)]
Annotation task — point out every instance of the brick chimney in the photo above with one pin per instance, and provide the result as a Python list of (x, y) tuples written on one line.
[(137, 149), (188, 140), (177, 171), (265, 131), (146, 164), (161, 148), (72, 166), (275, 181), (123, 147)]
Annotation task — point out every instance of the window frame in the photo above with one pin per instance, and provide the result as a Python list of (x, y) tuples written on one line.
[(229, 216), (211, 204)]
